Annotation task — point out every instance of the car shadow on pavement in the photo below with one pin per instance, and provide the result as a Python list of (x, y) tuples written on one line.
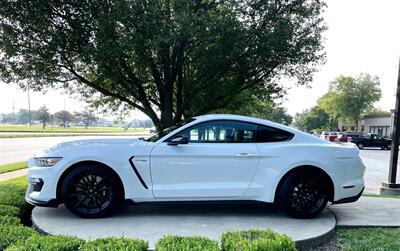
[(199, 209)]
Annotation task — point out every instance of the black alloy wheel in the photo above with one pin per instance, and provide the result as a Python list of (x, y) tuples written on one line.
[(304, 194), (90, 192)]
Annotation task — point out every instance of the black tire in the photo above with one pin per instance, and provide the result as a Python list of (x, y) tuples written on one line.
[(91, 192), (360, 146), (388, 147), (303, 194)]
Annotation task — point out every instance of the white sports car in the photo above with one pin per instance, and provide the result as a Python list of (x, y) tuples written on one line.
[(208, 158)]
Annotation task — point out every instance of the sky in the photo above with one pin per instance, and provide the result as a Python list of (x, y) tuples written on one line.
[(363, 36)]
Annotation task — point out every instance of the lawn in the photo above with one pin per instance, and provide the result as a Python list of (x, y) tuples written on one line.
[(20, 181), (382, 239), (13, 167), (58, 129)]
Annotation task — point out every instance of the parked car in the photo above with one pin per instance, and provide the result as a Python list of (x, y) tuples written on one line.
[(324, 135), (347, 136), (332, 136), (372, 140), (208, 158)]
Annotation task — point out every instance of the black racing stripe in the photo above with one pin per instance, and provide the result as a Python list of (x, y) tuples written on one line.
[(137, 173)]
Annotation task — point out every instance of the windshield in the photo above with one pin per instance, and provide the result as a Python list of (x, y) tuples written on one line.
[(164, 132)]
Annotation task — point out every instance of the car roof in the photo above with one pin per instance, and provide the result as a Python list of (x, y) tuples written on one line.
[(241, 118)]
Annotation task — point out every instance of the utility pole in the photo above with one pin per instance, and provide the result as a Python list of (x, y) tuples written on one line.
[(29, 109), (391, 187), (14, 111)]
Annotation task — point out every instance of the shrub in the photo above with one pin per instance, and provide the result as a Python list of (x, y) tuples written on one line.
[(47, 243), (12, 195), (192, 243), (115, 244), (255, 240), (9, 234), (9, 220), (9, 210)]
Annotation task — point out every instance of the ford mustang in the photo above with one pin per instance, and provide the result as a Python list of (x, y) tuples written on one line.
[(207, 158)]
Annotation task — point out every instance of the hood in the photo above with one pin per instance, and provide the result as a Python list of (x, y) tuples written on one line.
[(90, 142)]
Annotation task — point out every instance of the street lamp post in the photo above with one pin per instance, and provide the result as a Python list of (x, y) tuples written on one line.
[(391, 187)]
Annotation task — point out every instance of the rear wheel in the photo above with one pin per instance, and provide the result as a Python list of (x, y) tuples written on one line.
[(388, 147), (90, 191), (360, 146), (303, 194)]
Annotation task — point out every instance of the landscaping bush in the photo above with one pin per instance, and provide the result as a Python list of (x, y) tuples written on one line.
[(10, 234), (13, 194), (256, 240), (9, 220), (48, 243), (192, 243), (115, 244), (9, 210)]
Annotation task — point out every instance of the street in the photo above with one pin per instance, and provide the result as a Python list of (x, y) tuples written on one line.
[(20, 149)]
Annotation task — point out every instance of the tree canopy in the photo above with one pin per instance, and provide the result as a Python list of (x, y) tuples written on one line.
[(349, 97), (315, 119), (168, 59)]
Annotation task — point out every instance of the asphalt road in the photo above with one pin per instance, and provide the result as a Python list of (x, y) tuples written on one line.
[(20, 149)]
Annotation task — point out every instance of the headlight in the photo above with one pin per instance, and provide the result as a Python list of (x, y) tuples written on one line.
[(47, 161)]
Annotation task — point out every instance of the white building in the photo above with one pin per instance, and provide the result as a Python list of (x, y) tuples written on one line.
[(379, 124)]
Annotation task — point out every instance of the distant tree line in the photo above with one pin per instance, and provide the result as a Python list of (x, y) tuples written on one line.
[(63, 118)]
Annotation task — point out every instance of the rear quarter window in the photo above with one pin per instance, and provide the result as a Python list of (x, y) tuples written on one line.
[(270, 134)]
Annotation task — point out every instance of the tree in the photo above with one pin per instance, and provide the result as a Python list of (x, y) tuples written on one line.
[(65, 117), (315, 119), (177, 58), (348, 97), (43, 115), (87, 117)]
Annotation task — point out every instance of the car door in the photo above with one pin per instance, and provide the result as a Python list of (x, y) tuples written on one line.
[(219, 160)]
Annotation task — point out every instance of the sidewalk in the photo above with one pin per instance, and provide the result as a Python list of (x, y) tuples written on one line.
[(368, 211), (13, 174)]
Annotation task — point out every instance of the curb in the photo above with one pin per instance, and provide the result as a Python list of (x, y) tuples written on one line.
[(313, 242)]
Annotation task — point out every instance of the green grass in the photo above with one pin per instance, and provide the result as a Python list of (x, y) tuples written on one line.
[(20, 181), (58, 129), (13, 167), (374, 239)]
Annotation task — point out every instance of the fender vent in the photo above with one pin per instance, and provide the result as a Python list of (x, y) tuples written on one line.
[(137, 173)]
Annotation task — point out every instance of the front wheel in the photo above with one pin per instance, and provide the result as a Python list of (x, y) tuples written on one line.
[(303, 194), (90, 191)]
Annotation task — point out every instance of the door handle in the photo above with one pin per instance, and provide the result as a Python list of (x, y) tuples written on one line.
[(245, 155)]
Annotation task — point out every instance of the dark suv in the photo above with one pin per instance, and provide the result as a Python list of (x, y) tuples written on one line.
[(372, 140)]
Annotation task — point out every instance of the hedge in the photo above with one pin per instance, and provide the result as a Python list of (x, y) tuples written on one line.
[(7, 210), (192, 243), (10, 234), (9, 220), (256, 240), (115, 244), (48, 243)]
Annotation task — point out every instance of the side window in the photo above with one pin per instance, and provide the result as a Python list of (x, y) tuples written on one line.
[(221, 132), (270, 134)]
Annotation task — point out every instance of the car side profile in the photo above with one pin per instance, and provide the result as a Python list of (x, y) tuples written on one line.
[(207, 158)]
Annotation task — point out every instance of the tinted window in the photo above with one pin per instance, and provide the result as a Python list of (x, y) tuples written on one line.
[(221, 132), (161, 134), (270, 134)]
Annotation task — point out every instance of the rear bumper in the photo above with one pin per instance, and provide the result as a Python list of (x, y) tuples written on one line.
[(349, 199)]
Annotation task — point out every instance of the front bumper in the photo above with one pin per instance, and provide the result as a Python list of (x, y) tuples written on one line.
[(42, 185), (349, 199)]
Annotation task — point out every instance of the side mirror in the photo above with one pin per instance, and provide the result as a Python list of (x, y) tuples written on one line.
[(179, 140)]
